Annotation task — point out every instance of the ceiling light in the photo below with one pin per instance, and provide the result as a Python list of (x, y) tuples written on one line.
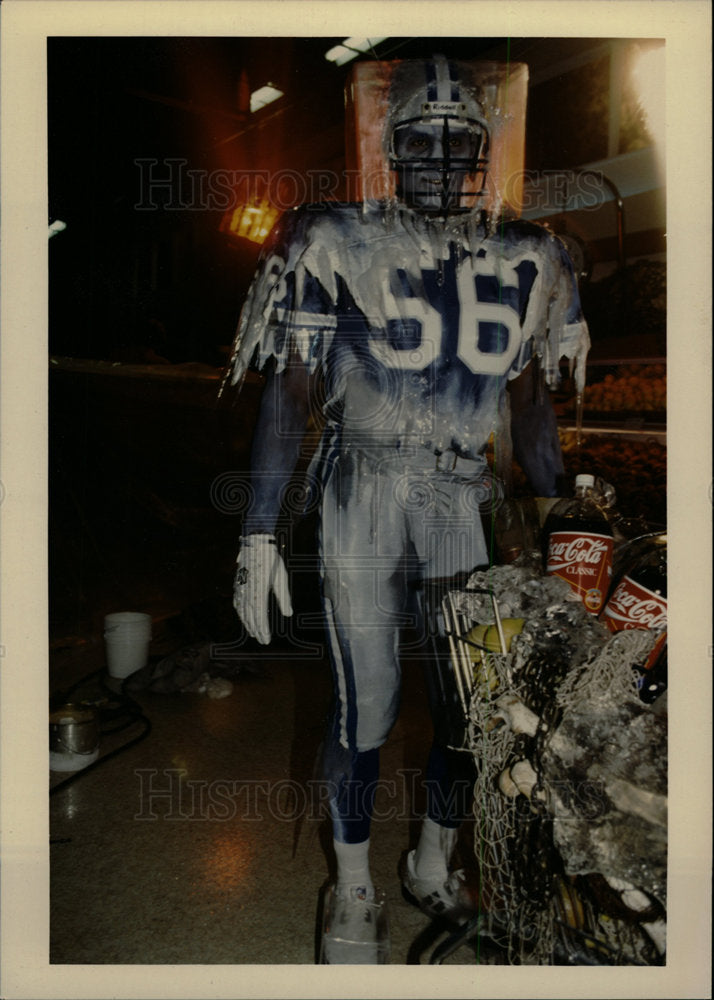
[(251, 222), (264, 95), (57, 226), (350, 49), (648, 75)]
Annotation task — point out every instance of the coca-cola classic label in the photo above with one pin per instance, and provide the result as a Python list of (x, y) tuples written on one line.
[(584, 560), (634, 606)]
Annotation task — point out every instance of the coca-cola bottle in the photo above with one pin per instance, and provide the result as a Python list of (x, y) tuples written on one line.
[(579, 544), (639, 600)]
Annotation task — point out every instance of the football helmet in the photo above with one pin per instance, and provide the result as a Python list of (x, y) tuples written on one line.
[(437, 136)]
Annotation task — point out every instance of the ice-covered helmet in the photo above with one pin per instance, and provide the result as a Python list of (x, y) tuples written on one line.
[(437, 135)]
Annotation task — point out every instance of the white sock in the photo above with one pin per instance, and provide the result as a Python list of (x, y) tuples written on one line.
[(434, 850), (353, 867)]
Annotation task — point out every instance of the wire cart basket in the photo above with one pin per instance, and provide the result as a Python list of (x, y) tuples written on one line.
[(511, 711)]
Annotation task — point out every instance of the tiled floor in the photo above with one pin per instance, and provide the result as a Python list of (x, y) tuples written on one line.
[(199, 844), (196, 843)]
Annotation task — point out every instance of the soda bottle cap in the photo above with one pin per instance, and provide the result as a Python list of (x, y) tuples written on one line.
[(584, 479)]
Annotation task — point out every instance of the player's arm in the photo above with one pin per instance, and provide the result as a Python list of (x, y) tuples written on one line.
[(279, 431), (282, 421), (534, 431)]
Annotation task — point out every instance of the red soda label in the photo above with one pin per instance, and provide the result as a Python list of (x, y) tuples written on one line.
[(584, 560), (634, 606)]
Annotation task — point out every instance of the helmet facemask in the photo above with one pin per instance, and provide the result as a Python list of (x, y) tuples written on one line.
[(440, 160), (436, 136)]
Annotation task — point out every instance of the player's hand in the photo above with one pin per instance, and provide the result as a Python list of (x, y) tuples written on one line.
[(260, 570)]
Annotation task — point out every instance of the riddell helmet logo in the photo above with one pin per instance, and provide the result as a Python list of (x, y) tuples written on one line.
[(443, 108)]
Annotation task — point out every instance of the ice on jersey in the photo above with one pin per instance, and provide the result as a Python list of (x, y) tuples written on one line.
[(415, 324)]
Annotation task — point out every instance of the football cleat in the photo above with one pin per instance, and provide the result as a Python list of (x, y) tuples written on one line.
[(453, 900), (354, 930)]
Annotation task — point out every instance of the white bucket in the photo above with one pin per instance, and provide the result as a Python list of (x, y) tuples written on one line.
[(127, 635)]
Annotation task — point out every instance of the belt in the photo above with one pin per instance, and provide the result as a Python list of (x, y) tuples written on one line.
[(450, 461), (447, 461)]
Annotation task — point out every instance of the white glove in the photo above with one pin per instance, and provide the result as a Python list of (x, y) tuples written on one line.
[(260, 570)]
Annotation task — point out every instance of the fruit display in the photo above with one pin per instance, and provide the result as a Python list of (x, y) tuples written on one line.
[(636, 468), (629, 389)]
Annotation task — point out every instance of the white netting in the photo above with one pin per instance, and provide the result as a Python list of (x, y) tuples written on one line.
[(609, 679), (519, 920), (562, 660)]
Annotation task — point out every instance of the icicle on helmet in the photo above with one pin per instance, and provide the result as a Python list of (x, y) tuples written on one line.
[(437, 136)]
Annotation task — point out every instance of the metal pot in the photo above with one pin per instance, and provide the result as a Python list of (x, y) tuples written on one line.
[(74, 729)]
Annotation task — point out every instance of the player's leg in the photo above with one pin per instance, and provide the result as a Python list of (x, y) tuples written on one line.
[(427, 873), (451, 542), (364, 598)]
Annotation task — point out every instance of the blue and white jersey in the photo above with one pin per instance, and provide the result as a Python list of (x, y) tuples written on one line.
[(415, 326)]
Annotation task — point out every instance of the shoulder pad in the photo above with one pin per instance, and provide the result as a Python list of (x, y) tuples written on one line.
[(298, 224), (519, 229)]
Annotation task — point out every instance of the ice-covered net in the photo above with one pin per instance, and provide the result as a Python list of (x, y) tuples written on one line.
[(564, 673), (610, 740)]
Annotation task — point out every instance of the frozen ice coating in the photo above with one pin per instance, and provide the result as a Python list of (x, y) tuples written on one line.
[(620, 745), (381, 92), (432, 311), (406, 311), (565, 709), (418, 325)]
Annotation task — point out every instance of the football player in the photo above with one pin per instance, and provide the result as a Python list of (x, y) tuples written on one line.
[(406, 319)]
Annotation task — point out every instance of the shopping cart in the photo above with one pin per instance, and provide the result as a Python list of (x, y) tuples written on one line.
[(507, 710)]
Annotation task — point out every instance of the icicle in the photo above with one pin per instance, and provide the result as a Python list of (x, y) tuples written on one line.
[(440, 272), (579, 418)]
